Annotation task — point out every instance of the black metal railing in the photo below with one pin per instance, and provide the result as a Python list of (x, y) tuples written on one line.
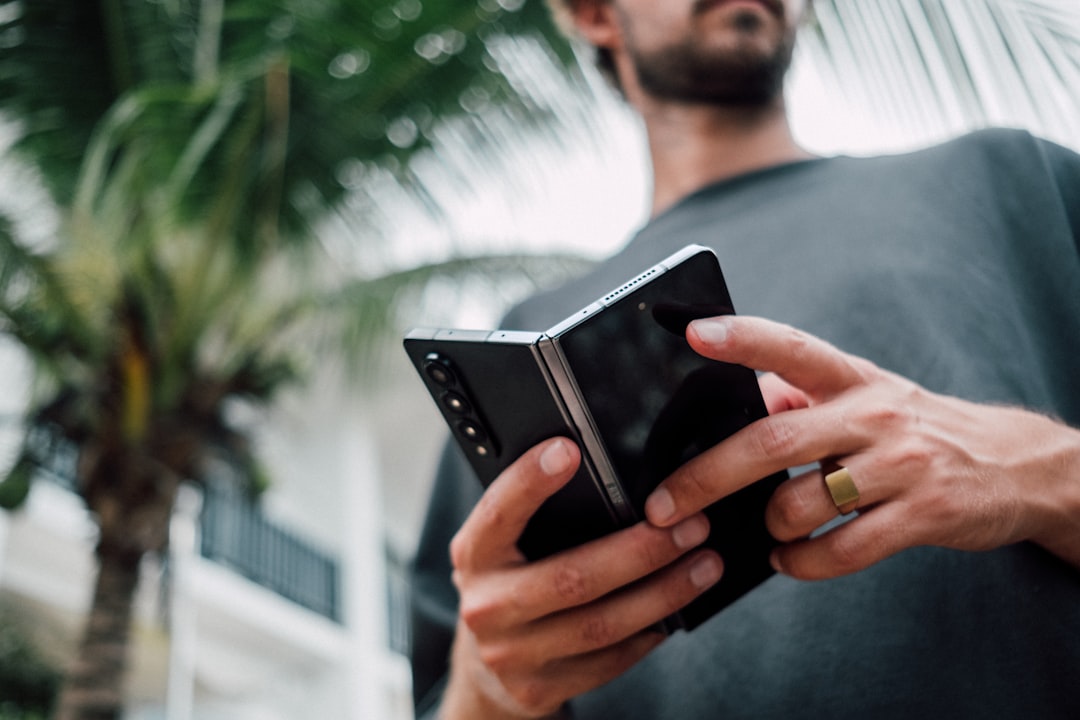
[(236, 534)]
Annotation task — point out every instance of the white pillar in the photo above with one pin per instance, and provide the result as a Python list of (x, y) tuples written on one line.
[(363, 581), (183, 632)]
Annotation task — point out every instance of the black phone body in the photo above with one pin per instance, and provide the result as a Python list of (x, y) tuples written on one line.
[(620, 379), (498, 399)]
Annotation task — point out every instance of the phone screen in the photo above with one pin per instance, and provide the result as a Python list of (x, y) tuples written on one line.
[(655, 404)]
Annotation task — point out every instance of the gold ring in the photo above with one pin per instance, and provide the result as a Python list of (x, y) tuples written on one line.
[(842, 489)]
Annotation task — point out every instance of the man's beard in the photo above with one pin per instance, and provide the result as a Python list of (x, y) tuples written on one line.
[(688, 72)]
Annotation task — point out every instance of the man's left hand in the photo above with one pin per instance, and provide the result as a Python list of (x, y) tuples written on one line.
[(929, 469)]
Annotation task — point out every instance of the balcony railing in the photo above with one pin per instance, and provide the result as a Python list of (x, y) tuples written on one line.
[(237, 535), (398, 593)]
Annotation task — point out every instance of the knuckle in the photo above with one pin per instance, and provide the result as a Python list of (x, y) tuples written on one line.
[(799, 346), (910, 457), (478, 612), (490, 512), (791, 506), (655, 547), (460, 550), (597, 631), (773, 436), (533, 696), (895, 417), (694, 482), (864, 369), (846, 553), (571, 584), (884, 417), (499, 658)]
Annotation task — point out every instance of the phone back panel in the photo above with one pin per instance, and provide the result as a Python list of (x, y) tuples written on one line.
[(501, 378)]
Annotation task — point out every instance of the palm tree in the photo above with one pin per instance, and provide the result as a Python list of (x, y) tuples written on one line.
[(191, 147)]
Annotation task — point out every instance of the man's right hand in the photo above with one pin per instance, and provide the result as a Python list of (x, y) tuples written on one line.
[(532, 635)]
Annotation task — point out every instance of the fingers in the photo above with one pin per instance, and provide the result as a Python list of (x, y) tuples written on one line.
[(803, 504), (490, 533), (628, 611), (809, 371), (807, 362), (600, 626), (870, 538), (767, 446), (580, 575)]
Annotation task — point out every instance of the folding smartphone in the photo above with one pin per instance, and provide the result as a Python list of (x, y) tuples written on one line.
[(619, 378)]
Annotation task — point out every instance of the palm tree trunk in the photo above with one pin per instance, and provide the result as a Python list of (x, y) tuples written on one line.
[(93, 687)]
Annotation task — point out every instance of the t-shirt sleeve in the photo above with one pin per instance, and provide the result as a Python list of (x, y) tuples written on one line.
[(434, 598), (1064, 166)]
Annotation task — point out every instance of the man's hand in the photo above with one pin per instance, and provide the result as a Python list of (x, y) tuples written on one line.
[(930, 469), (532, 635)]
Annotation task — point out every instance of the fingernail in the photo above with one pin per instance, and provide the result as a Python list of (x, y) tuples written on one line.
[(774, 560), (713, 331), (660, 507), (555, 460), (690, 533), (705, 572)]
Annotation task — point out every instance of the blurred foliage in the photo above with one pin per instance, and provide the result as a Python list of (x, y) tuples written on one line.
[(360, 80), (28, 683)]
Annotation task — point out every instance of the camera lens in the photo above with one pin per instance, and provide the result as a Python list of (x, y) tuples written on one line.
[(472, 431), (438, 369), (456, 403)]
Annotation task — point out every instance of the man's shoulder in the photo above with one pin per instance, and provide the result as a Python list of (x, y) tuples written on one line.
[(1012, 146)]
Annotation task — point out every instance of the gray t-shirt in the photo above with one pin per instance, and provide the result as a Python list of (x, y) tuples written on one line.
[(956, 266)]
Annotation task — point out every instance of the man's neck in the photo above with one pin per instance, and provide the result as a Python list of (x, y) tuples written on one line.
[(692, 147)]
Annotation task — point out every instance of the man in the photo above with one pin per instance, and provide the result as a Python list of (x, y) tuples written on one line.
[(946, 283)]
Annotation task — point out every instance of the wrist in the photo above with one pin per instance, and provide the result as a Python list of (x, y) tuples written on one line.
[(1059, 531), (465, 697)]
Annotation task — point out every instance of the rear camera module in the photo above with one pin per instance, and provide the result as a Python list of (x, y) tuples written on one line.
[(456, 403), (438, 369), (472, 431)]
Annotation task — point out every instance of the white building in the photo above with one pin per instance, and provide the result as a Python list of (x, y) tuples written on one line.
[(285, 612)]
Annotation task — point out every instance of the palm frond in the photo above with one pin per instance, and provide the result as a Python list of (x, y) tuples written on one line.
[(35, 304), (365, 81), (929, 68), (367, 310)]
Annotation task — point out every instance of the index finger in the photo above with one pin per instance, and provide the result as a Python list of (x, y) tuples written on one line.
[(489, 535), (803, 360)]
